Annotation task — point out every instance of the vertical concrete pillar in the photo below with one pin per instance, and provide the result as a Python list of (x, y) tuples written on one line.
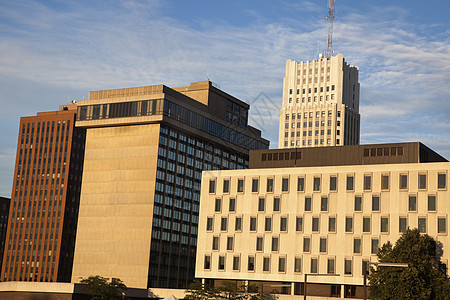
[(342, 291), (292, 288)]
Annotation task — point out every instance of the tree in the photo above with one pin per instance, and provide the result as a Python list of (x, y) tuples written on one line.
[(421, 280), (229, 290), (99, 288)]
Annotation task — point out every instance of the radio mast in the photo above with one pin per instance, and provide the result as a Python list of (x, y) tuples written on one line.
[(331, 14)]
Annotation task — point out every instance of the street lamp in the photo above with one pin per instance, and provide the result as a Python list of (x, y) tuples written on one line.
[(314, 274), (365, 269)]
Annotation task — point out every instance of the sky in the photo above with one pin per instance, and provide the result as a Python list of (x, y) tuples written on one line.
[(54, 51)]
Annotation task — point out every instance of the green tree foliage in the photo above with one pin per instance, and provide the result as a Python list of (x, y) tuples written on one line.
[(421, 280), (99, 288), (230, 290)]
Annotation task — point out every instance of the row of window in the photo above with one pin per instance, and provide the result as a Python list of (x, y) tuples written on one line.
[(310, 142), (310, 90), (310, 124), (350, 185), (311, 115), (332, 221)]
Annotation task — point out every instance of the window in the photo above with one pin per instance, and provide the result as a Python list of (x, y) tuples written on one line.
[(307, 203), (215, 243), (403, 181), (226, 186), (209, 224), (332, 224), (315, 224), (412, 203), (297, 265), (238, 224), (270, 185), (207, 263), (306, 244), (385, 182), (251, 264), (384, 224), (333, 183), (366, 224), (402, 224), (223, 223), (348, 266), (442, 225), (323, 245), (350, 183), (232, 205), (367, 182), (316, 184), (357, 245), (274, 243), (282, 264), (240, 187), (422, 224), (255, 185), (374, 246), (324, 204), (259, 243), (358, 203), (299, 224), (331, 266), (212, 186), (442, 178), (230, 243), (218, 205), (266, 264), (301, 184), (348, 224), (375, 203), (422, 181), (314, 265), (283, 224), (285, 185), (276, 204), (236, 260), (252, 223), (261, 204), (268, 224), (431, 203)]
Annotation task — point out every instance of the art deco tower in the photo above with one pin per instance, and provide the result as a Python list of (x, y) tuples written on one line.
[(320, 104)]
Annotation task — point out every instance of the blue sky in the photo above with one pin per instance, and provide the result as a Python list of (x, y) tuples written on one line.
[(55, 50)]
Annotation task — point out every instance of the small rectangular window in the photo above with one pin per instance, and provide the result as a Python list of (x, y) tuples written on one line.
[(385, 182), (226, 186), (357, 245), (348, 266), (374, 246), (306, 244), (212, 186), (207, 263), (232, 205), (375, 203), (252, 223), (283, 224), (442, 225), (298, 265), (261, 204), (314, 265), (218, 205), (384, 224), (238, 224), (442, 181), (209, 224), (240, 187), (348, 224), (412, 203), (230, 243), (422, 181), (307, 203), (251, 263), (332, 224), (366, 224), (323, 245), (270, 185), (266, 264), (274, 244), (316, 184), (282, 264), (299, 224), (276, 204), (402, 224), (315, 224), (403, 181), (215, 243), (324, 204), (367, 182), (223, 223), (331, 266), (350, 183), (333, 183), (422, 224), (301, 184), (431, 203), (236, 263), (255, 185), (259, 243), (268, 224), (358, 203), (285, 185)]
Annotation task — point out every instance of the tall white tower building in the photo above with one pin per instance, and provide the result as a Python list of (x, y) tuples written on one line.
[(320, 104)]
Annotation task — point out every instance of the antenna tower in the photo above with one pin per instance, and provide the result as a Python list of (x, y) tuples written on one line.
[(331, 14)]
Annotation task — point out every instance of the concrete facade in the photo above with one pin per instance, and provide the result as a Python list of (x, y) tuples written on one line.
[(275, 225), (320, 104)]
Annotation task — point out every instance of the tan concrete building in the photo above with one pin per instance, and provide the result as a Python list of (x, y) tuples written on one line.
[(145, 150), (320, 104), (297, 212)]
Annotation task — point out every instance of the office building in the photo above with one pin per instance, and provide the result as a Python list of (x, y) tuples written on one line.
[(318, 211), (146, 148), (4, 214), (44, 200), (320, 104)]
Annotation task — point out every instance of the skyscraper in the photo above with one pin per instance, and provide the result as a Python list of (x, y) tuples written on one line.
[(44, 200), (146, 148), (320, 104), (4, 214)]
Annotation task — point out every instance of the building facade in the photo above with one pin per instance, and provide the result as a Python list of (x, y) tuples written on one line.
[(44, 201), (315, 213), (320, 104), (146, 148)]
